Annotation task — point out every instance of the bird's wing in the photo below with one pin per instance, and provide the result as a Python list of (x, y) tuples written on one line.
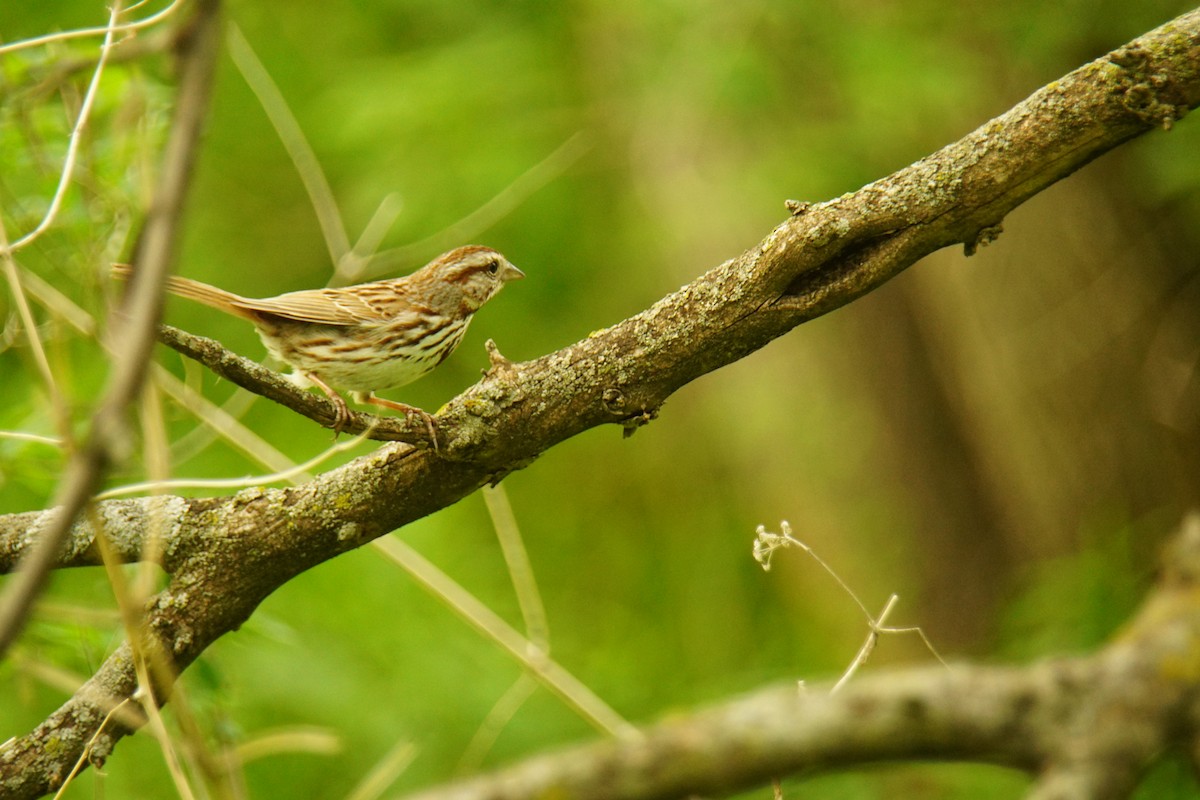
[(329, 306)]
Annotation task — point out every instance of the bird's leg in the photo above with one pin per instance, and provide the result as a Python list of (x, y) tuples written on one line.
[(369, 397), (341, 411)]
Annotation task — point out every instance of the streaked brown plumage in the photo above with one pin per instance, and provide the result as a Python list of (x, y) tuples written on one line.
[(373, 336)]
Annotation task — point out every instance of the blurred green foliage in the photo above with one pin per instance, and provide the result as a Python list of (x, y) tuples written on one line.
[(1002, 441)]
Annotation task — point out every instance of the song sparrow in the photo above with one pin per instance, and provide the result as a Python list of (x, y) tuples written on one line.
[(370, 337)]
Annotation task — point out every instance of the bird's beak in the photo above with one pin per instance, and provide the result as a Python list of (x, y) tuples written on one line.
[(510, 273)]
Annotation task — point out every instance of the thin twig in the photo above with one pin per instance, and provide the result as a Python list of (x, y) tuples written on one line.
[(765, 545), (498, 717), (225, 425), (22, 436), (552, 675), (352, 267), (38, 41), (83, 757), (516, 558), (533, 612), (308, 167), (150, 663), (385, 772), (289, 474), (293, 739), (68, 169), (53, 300), (487, 214), (62, 418)]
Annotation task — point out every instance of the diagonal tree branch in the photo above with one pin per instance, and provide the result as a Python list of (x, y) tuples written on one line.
[(226, 554)]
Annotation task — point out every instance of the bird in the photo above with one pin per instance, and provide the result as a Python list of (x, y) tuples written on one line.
[(371, 336)]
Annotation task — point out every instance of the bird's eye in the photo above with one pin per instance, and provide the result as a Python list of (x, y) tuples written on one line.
[(493, 267)]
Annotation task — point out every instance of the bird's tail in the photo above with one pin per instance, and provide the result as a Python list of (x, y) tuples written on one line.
[(220, 299)]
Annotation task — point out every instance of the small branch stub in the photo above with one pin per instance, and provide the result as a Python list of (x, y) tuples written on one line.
[(499, 363), (643, 417), (983, 237), (797, 207)]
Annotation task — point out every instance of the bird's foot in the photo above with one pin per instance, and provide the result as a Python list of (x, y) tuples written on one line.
[(408, 411)]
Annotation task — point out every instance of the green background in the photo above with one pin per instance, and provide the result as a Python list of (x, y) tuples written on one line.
[(1003, 440)]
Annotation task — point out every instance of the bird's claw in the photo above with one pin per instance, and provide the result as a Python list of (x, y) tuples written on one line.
[(409, 411)]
